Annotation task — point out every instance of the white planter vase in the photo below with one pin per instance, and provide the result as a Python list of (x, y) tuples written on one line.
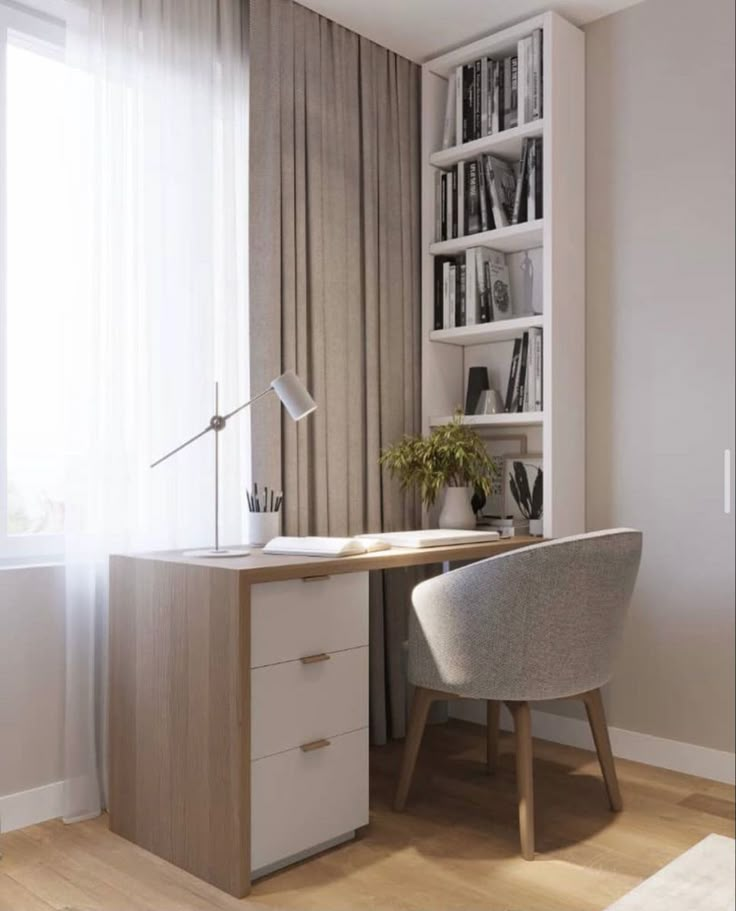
[(456, 509), (536, 527)]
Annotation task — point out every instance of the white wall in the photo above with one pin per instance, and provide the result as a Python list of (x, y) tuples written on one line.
[(31, 678)]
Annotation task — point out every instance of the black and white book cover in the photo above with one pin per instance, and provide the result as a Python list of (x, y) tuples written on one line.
[(502, 183), (472, 198), (453, 196), (520, 398), (468, 86), (497, 103), (460, 293), (537, 93), (513, 372), (500, 285), (477, 94), (519, 213)]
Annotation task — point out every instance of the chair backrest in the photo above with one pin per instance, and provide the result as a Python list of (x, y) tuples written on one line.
[(542, 622)]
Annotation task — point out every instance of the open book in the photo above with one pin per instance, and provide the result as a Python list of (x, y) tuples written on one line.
[(323, 547)]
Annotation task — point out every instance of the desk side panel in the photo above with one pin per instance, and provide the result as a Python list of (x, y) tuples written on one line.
[(179, 727)]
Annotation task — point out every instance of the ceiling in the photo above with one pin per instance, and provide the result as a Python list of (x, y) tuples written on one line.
[(421, 29)]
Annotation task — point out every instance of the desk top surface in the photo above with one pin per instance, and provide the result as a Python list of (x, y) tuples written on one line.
[(260, 567)]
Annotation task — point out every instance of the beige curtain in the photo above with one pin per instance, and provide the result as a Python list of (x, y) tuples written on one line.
[(334, 291)]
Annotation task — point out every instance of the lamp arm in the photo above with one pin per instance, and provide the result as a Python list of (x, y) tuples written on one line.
[(183, 445), (260, 395)]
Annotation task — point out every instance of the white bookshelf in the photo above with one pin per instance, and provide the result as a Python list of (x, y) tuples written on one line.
[(555, 243)]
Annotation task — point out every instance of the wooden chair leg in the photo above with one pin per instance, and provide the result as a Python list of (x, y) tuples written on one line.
[(493, 710), (524, 775), (597, 719), (423, 699)]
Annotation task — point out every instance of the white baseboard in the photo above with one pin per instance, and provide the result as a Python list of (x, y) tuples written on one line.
[(718, 765), (27, 808)]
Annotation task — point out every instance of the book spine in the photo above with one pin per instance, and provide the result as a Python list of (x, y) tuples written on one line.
[(538, 172), (460, 171), (448, 133), (522, 372), (446, 320), (460, 293), (508, 119), (538, 348), (453, 202), (529, 376), (453, 296), (521, 82), (531, 211), (484, 96), (439, 304), (443, 215), (536, 112), (458, 104), (472, 199), (477, 111), (485, 224), (471, 288), (486, 312), (438, 206), (496, 119), (513, 371), (489, 94), (520, 180), (513, 117), (467, 102)]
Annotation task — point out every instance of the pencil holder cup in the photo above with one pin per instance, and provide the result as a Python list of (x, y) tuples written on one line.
[(262, 526)]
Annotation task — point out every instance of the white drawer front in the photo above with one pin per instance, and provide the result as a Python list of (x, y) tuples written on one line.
[(300, 800), (295, 703), (296, 618)]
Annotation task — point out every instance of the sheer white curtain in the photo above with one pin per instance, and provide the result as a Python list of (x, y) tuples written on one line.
[(156, 311)]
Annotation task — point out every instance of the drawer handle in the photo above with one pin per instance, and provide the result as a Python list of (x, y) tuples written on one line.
[(315, 578), (314, 659), (314, 745)]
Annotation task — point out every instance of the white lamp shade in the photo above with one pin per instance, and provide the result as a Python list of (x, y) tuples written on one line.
[(294, 396)]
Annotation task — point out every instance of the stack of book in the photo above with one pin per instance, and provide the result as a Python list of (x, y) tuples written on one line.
[(471, 288), (485, 193), (524, 389), (488, 96)]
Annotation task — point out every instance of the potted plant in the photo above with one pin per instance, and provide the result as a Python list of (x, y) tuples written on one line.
[(452, 459), (528, 499)]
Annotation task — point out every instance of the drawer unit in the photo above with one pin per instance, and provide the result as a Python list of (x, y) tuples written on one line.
[(300, 617), (295, 702), (302, 799)]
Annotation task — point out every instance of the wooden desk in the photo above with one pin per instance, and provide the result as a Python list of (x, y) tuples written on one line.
[(219, 671)]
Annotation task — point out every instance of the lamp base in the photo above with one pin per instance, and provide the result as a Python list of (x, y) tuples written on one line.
[(217, 552)]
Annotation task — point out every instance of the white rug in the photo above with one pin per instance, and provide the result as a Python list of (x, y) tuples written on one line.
[(701, 879)]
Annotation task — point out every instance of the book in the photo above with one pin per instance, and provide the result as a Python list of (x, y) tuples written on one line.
[(486, 217), (483, 284), (472, 198), (448, 132), (439, 313), (497, 100), (524, 59), (452, 202), (460, 293), (501, 180), (538, 172), (536, 75), (447, 317), (471, 287), (312, 546), (519, 211), (523, 362), (529, 384), (500, 286), (460, 199), (531, 180), (452, 301), (443, 207), (468, 86), (513, 371), (484, 122), (510, 91), (477, 90), (538, 404), (459, 97)]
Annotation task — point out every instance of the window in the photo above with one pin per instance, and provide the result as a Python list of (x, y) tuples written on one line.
[(32, 213)]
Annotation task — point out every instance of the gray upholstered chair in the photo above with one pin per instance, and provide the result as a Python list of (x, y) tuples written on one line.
[(543, 622)]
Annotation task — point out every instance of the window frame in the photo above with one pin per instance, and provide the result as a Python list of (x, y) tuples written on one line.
[(39, 24)]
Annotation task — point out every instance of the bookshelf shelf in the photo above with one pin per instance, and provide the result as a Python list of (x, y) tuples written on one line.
[(517, 419), (487, 333), (513, 239), (506, 145), (545, 260)]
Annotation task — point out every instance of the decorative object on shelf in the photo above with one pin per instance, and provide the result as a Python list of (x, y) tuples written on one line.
[(477, 385), (529, 499), (264, 516), (297, 401), (490, 402), (454, 458), (477, 502)]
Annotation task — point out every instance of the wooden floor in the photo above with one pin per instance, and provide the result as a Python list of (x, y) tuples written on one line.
[(455, 847)]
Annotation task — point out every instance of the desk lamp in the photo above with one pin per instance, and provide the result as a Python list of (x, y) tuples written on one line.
[(297, 401)]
